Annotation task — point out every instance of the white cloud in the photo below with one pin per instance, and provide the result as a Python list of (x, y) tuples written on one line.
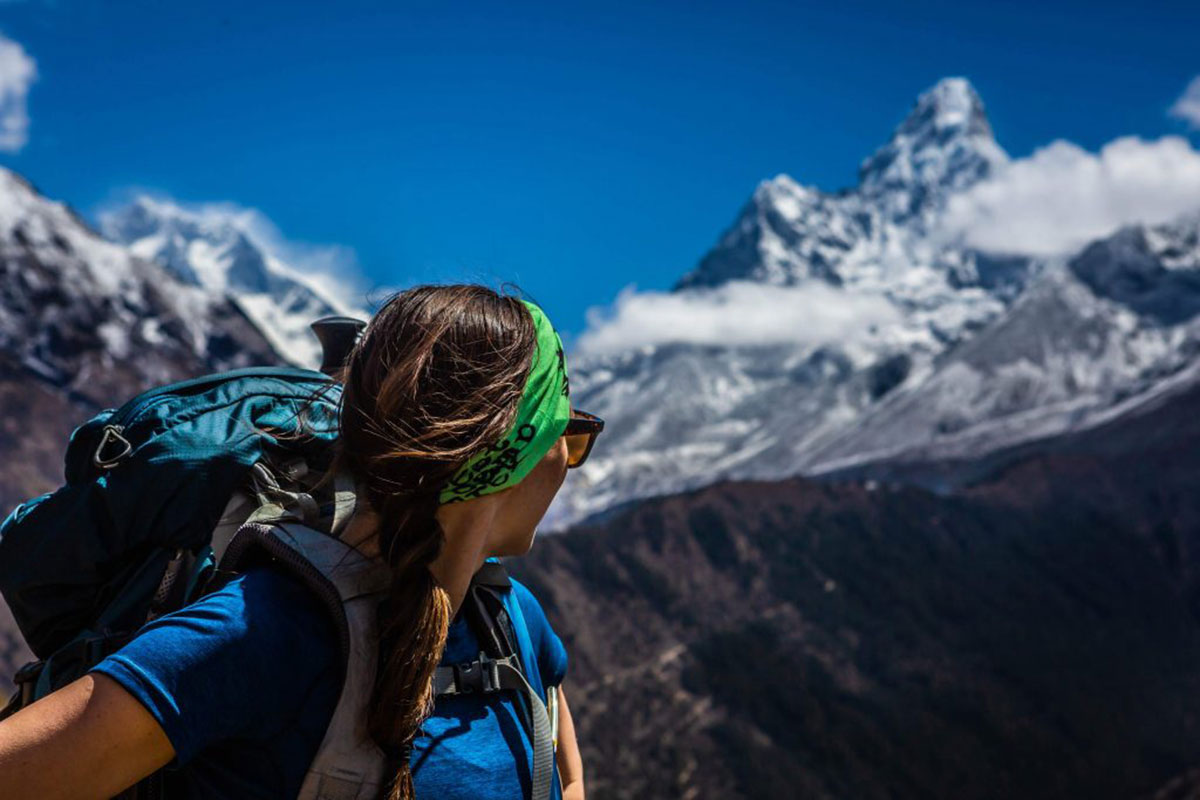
[(1063, 196), (1187, 107), (734, 313), (18, 71)]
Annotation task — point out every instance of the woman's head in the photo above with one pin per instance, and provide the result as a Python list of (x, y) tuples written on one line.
[(462, 388), (454, 400)]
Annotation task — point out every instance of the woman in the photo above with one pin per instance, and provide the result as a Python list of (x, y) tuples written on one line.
[(454, 410)]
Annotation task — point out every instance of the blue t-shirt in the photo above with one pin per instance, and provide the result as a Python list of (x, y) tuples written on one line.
[(244, 682)]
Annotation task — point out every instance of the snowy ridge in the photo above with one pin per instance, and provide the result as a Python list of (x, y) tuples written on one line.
[(220, 250), (984, 350), (73, 303)]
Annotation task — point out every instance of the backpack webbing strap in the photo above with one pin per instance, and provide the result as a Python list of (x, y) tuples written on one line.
[(345, 499), (348, 764), (493, 574), (489, 620), (486, 675)]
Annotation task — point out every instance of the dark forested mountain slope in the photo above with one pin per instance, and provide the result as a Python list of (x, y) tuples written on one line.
[(1034, 636)]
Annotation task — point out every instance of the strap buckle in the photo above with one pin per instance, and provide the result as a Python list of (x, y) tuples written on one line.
[(26, 681), (479, 676)]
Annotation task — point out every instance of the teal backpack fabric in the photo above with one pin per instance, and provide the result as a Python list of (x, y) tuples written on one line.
[(126, 537)]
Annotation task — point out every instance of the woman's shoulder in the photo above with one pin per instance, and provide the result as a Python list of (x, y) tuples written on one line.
[(551, 653), (528, 600), (268, 585), (263, 600), (240, 660), (263, 616)]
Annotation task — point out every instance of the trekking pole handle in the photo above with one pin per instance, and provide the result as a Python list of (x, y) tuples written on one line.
[(337, 336)]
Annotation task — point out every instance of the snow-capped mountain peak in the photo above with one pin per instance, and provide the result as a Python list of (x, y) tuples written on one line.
[(944, 145), (207, 251), (790, 233), (965, 351), (223, 250), (76, 308)]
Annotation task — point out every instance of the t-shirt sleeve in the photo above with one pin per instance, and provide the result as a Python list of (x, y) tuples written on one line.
[(238, 663), (551, 653)]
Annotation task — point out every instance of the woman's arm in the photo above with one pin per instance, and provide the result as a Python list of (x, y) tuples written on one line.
[(90, 739), (570, 763)]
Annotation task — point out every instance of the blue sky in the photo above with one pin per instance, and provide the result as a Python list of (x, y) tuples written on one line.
[(571, 148)]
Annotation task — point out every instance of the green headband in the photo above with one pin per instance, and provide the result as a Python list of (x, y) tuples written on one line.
[(541, 418)]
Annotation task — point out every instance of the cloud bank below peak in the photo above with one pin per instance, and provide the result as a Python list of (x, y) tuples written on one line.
[(735, 313)]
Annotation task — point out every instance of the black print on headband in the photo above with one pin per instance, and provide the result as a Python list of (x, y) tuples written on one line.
[(562, 368), (494, 467)]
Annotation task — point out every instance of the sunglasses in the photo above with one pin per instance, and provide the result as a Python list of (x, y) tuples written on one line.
[(582, 430)]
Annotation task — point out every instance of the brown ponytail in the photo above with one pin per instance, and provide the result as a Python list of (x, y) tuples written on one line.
[(412, 634), (435, 378)]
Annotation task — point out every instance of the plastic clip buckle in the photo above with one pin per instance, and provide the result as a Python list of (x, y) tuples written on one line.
[(479, 676)]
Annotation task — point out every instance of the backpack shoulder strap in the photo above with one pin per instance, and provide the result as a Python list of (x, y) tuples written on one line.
[(485, 612), (349, 765), (501, 669)]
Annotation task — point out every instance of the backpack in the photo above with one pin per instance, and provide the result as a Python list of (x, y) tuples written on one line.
[(171, 496), (153, 494), (129, 536)]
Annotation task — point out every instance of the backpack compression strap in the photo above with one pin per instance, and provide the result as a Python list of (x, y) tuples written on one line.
[(485, 612)]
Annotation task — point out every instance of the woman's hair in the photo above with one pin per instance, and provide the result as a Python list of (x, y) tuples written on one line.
[(435, 378)]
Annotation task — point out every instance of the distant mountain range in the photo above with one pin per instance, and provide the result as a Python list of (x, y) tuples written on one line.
[(977, 351), (1034, 636)]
